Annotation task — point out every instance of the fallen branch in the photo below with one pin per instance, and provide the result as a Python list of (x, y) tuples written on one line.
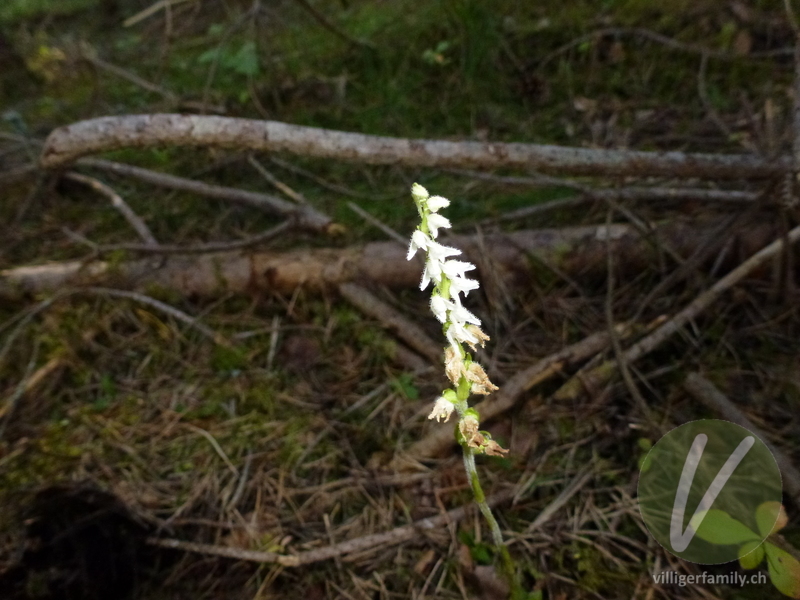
[(616, 193), (117, 202), (362, 544), (65, 144), (605, 371), (393, 321), (306, 215), (578, 250)]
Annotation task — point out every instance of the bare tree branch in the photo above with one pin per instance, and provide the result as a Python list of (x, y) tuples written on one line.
[(362, 544), (117, 202), (574, 250), (65, 144), (306, 215)]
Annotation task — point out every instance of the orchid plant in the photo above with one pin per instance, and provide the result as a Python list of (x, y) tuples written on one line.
[(460, 327)]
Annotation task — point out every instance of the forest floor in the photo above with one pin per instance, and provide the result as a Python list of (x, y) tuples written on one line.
[(289, 430)]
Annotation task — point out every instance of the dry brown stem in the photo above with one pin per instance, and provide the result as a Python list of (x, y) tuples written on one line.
[(65, 144)]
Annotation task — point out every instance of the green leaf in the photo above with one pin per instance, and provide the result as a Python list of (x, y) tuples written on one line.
[(770, 517), (784, 570), (405, 385), (645, 463), (245, 61), (209, 56), (751, 554), (718, 527)]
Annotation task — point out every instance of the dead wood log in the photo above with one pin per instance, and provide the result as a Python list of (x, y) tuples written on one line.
[(66, 144), (579, 251)]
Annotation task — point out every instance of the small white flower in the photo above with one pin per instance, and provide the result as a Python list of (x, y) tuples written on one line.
[(462, 284), (437, 251), (457, 334), (456, 268), (462, 315), (433, 270), (436, 222), (435, 203), (419, 241), (439, 307), (442, 409), (419, 193)]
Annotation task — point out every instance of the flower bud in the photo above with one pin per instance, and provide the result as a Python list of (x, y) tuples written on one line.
[(419, 193)]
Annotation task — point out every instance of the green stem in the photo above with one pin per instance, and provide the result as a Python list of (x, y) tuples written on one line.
[(477, 492)]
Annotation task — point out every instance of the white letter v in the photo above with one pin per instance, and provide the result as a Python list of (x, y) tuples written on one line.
[(680, 541)]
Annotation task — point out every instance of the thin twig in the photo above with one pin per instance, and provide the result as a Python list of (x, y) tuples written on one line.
[(392, 320), (377, 223), (130, 77), (660, 39), (217, 448), (703, 93), (159, 305), (705, 299), (615, 342), (297, 197), (7, 409), (581, 479), (150, 11), (255, 240), (606, 370), (322, 20), (334, 187), (117, 202), (362, 544), (307, 216)]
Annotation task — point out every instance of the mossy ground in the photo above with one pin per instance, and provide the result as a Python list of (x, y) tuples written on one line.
[(152, 411)]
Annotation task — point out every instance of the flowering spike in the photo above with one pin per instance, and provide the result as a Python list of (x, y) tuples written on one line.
[(450, 281), (460, 326)]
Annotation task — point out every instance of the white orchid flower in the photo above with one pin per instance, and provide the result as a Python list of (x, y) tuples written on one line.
[(437, 222), (442, 409), (440, 306), (419, 241), (436, 203)]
